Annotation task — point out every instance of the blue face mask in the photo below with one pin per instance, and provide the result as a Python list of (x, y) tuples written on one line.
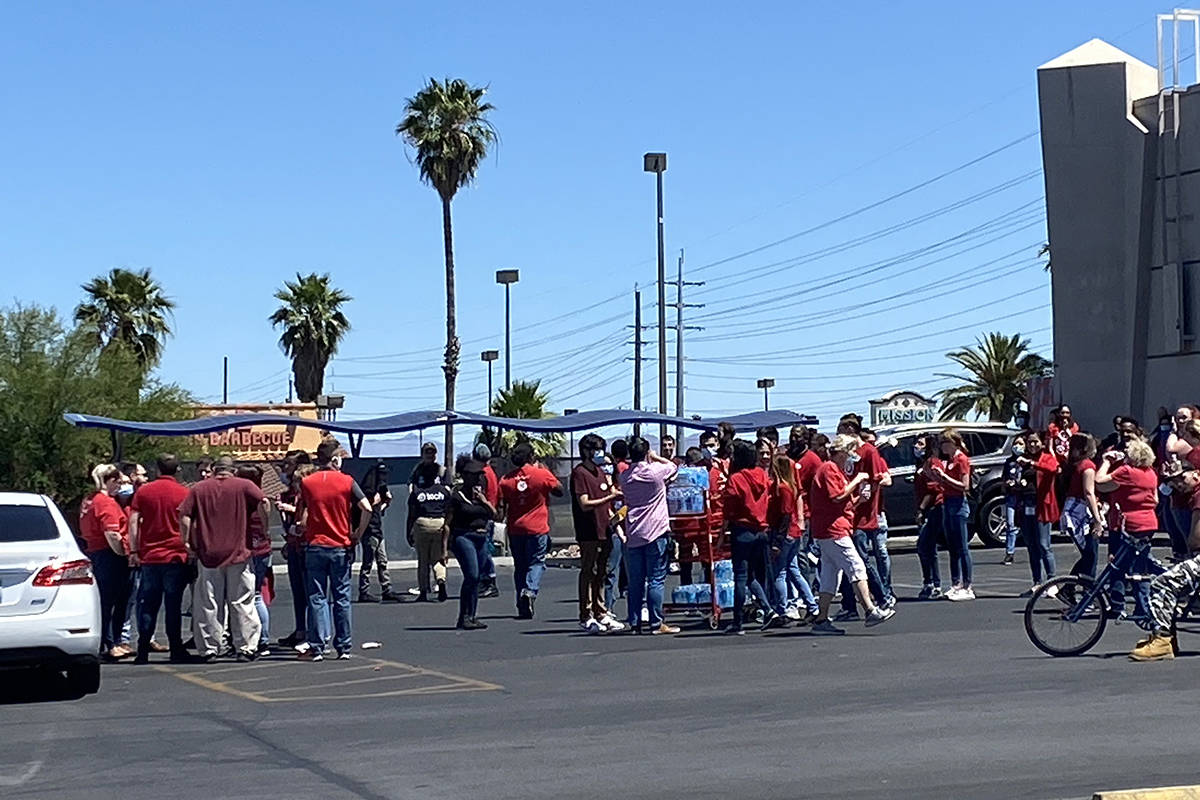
[(919, 452), (1018, 449), (598, 457), (608, 469), (711, 452), (125, 490)]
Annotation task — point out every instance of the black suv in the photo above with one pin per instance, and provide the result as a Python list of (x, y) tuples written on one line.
[(988, 444)]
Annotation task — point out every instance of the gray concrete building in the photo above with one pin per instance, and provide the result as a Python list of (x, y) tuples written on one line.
[(1121, 156)]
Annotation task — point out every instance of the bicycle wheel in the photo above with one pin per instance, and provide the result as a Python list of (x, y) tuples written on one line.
[(1055, 621)]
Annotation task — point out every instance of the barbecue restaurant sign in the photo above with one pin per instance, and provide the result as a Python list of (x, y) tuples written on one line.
[(260, 442), (901, 408)]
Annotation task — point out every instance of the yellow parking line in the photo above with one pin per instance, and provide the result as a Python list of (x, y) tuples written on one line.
[(214, 685), (277, 676), (455, 689), (323, 685), (1160, 793)]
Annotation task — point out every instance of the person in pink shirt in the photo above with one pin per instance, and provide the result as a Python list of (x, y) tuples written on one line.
[(644, 485)]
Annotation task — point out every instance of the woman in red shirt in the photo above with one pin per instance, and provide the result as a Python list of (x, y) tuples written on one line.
[(1081, 511), (785, 514), (1132, 487), (745, 508), (955, 479), (831, 499), (930, 516), (1040, 509), (102, 524)]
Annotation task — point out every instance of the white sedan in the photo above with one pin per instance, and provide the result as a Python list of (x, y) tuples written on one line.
[(49, 604)]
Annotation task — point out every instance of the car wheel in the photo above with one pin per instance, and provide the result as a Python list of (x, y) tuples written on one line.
[(990, 522), (84, 678)]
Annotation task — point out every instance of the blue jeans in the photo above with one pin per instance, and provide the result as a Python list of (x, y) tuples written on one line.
[(789, 570), (529, 561), (613, 576), (877, 541), (957, 510), (298, 585), (862, 543), (647, 567), (780, 555), (470, 550), (112, 580), (131, 608), (1011, 505), (487, 567), (327, 570), (261, 566), (750, 553), (1140, 565), (1177, 522), (162, 582), (1037, 541), (1088, 555), (931, 530)]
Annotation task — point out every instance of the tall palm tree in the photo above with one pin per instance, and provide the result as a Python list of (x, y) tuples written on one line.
[(447, 127), (524, 400), (998, 370), (313, 327), (127, 308)]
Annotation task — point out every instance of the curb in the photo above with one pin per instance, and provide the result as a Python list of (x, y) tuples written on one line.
[(1160, 793)]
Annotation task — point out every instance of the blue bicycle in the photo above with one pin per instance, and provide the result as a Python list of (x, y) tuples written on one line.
[(1066, 616)]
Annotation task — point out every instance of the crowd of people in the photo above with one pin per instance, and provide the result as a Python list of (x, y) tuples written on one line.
[(803, 524)]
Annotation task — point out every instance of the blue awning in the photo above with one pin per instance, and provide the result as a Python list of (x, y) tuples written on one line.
[(417, 420)]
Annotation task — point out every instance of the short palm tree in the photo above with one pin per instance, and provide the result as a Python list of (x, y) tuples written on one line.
[(998, 370), (313, 327), (127, 308), (447, 127), (524, 400)]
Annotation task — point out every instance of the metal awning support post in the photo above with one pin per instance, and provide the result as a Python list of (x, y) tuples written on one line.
[(118, 445), (356, 443)]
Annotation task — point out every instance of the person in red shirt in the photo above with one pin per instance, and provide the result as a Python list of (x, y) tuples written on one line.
[(785, 519), (870, 537), (930, 498), (296, 464), (156, 545), (1059, 433), (259, 535), (1081, 510), (1041, 470), (745, 505), (1131, 484), (831, 498), (491, 492), (525, 492), (214, 521), (326, 498), (102, 524), (955, 478)]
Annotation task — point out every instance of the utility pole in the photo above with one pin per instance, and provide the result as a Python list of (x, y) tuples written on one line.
[(679, 329), (289, 391), (657, 163), (637, 356), (225, 382)]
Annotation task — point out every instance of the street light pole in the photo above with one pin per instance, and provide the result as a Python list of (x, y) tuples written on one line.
[(571, 452), (507, 277), (765, 384), (657, 163), (489, 356)]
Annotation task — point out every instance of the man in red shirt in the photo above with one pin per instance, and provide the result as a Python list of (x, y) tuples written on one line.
[(491, 490), (524, 493), (1178, 582), (156, 545), (870, 532), (214, 519), (806, 461), (326, 498)]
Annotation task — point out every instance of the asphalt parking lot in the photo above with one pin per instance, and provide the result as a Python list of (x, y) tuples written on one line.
[(945, 701)]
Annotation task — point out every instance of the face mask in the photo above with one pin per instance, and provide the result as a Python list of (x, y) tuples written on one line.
[(711, 452), (1018, 449), (608, 469), (1166, 426), (598, 457), (919, 452), (125, 490)]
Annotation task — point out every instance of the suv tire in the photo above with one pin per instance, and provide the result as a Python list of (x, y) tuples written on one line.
[(990, 523), (84, 679)]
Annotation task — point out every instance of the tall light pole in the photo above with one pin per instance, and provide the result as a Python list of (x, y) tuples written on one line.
[(507, 277), (571, 452), (657, 163), (489, 356), (765, 384)]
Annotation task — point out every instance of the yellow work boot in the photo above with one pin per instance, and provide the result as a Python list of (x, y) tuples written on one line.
[(1159, 648)]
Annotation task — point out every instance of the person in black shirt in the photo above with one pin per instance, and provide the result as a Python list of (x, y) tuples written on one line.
[(592, 494), (469, 517), (374, 549), (428, 502), (1013, 474)]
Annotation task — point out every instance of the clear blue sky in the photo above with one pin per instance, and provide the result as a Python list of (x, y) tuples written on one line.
[(227, 146)]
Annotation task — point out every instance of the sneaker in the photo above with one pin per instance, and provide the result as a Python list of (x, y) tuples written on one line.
[(611, 624), (289, 641), (1026, 594), (826, 628), (952, 593), (1052, 592), (926, 593), (441, 594), (878, 616), (523, 611), (264, 649), (845, 615), (207, 658), (961, 595), (389, 596), (732, 631), (532, 601), (303, 647), (310, 655), (1008, 559), (794, 614), (422, 597), (1159, 648), (665, 630), (491, 590), (936, 594), (245, 656), (890, 602), (155, 647), (590, 626), (344, 656), (183, 657), (772, 620), (367, 597), (470, 624)]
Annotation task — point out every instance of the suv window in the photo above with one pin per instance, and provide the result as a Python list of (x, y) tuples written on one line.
[(984, 444), (900, 454), (26, 524)]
